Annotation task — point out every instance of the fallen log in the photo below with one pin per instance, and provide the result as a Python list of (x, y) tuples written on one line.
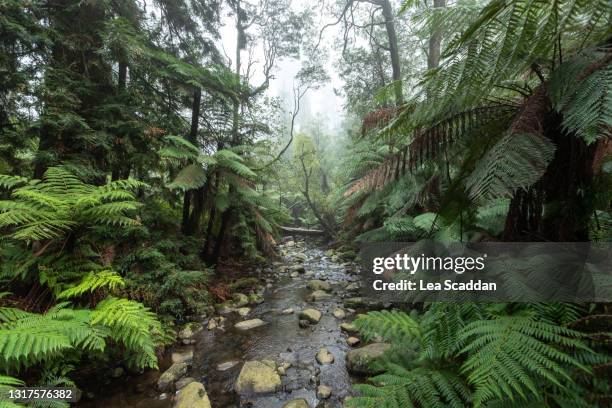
[(302, 231)]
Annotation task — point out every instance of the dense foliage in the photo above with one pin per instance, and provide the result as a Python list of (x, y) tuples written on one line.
[(138, 160), (507, 139)]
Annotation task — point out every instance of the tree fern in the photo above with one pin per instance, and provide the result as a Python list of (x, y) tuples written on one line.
[(394, 326), (92, 282), (581, 88), (50, 208), (515, 161), (133, 325), (508, 356)]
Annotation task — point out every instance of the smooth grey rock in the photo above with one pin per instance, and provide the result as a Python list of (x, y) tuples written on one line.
[(312, 315), (317, 284), (249, 324), (227, 365)]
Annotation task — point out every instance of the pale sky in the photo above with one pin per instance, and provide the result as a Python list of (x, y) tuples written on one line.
[(322, 102)]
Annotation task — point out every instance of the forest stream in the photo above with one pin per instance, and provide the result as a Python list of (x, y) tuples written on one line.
[(285, 340)]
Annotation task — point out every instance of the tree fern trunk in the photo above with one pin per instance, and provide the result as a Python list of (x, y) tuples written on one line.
[(559, 207)]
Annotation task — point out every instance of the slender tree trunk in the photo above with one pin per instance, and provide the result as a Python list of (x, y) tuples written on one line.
[(433, 57), (389, 17), (187, 226), (122, 80), (119, 168), (240, 44), (225, 220)]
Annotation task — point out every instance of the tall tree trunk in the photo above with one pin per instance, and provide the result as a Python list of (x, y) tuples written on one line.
[(225, 221), (433, 57), (187, 225), (240, 44), (389, 17), (119, 168)]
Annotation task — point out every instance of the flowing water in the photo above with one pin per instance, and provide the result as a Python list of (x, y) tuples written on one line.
[(281, 339)]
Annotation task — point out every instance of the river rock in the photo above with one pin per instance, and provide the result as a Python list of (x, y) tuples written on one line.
[(183, 382), (298, 269), (303, 323), (212, 324), (188, 332), (117, 372), (182, 356), (318, 295), (317, 284), (294, 275), (287, 311), (225, 307), (258, 378), (171, 375), (244, 311), (297, 403), (312, 315), (352, 287), (227, 365), (193, 395), (354, 302), (348, 327), (339, 313), (249, 324), (289, 244), (359, 361), (301, 256), (323, 391), (324, 356), (352, 341)]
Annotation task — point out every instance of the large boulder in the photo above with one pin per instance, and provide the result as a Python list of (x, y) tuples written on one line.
[(257, 378), (297, 403), (363, 360), (171, 375), (312, 315), (193, 395), (249, 324), (317, 284)]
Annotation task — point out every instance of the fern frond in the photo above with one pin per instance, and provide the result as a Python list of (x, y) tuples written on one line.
[(397, 327), (508, 355), (92, 282)]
